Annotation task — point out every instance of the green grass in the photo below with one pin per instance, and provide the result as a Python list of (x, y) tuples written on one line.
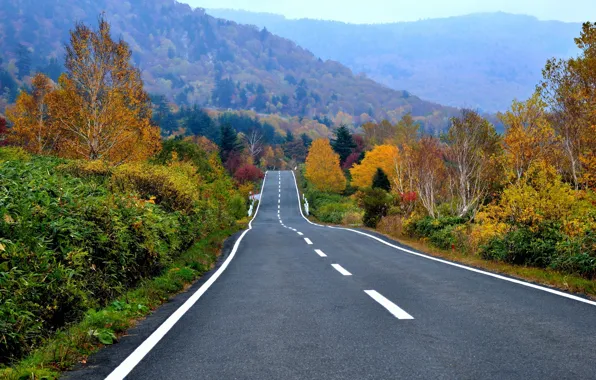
[(102, 327)]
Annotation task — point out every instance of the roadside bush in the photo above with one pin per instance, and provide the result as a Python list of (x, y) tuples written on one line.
[(376, 203), (75, 235), (14, 154), (175, 187), (522, 246)]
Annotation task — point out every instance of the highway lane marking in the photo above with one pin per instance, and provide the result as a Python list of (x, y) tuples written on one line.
[(299, 233), (341, 269), (494, 275), (307, 240), (144, 348), (320, 253), (398, 312)]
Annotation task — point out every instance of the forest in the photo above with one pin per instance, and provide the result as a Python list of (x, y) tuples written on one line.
[(193, 58)]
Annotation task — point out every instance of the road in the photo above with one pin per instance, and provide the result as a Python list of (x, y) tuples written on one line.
[(301, 301)]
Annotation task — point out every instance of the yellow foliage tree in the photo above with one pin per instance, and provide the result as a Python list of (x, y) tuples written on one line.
[(101, 105), (384, 157), (529, 136), (322, 168), (33, 128)]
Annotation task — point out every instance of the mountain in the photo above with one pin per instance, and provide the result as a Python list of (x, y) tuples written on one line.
[(476, 61), (194, 58)]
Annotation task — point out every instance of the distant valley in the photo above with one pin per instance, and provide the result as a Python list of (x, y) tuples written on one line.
[(480, 61)]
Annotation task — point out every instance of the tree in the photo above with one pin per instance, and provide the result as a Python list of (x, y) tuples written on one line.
[(383, 157), (23, 61), (343, 144), (34, 129), (406, 131), (428, 172), (228, 142), (375, 203), (472, 143), (254, 142), (295, 150), (529, 136), (569, 88), (101, 106), (289, 136), (322, 168), (248, 173), (381, 181), (306, 140)]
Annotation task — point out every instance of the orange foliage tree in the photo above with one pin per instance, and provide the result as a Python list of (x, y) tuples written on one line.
[(384, 157), (34, 128), (322, 167), (99, 110)]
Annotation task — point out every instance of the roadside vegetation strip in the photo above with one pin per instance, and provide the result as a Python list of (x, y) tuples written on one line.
[(566, 282), (104, 327)]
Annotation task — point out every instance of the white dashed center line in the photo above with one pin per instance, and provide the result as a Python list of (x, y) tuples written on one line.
[(320, 253), (307, 240), (398, 312), (341, 269), (300, 233)]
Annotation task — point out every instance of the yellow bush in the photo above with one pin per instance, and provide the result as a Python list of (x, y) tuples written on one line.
[(85, 169), (175, 187)]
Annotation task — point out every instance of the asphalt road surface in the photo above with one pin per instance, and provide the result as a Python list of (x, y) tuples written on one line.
[(300, 301)]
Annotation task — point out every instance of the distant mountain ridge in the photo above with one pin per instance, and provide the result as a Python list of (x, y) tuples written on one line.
[(194, 58), (482, 60)]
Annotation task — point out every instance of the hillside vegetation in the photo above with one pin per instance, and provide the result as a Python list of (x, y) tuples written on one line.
[(194, 58), (475, 61), (526, 198)]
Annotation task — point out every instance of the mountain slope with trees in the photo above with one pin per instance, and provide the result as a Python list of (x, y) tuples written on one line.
[(475, 61), (193, 58)]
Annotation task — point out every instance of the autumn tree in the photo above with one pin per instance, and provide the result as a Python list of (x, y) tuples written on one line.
[(254, 143), (343, 144), (322, 168), (429, 173), (472, 143), (569, 88), (528, 137), (34, 128), (406, 131), (383, 157), (101, 106), (375, 134)]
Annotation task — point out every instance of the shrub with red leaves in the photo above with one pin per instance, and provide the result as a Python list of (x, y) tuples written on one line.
[(248, 173), (3, 132), (350, 161)]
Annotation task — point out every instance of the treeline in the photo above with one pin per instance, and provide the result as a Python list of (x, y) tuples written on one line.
[(526, 197)]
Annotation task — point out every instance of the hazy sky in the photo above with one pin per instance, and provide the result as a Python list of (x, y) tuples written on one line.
[(375, 11)]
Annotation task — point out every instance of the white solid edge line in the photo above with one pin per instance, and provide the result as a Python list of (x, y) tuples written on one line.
[(494, 275), (320, 253), (299, 204), (144, 348), (299, 233), (307, 240), (341, 269), (398, 312)]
